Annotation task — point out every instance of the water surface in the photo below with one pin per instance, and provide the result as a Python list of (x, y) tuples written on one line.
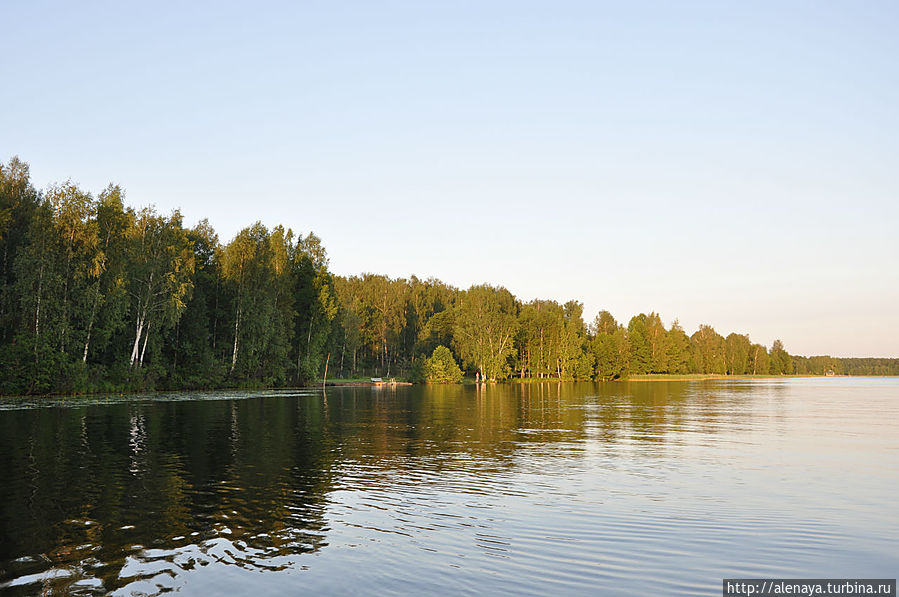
[(612, 489)]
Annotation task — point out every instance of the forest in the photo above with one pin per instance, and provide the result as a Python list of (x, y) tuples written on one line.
[(97, 296)]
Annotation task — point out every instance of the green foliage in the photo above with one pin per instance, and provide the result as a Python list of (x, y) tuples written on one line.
[(485, 328), (781, 363), (678, 350), (758, 360), (317, 305), (649, 349), (541, 326), (441, 367), (190, 345), (95, 295), (437, 330), (18, 201), (610, 347), (736, 354), (159, 278), (863, 366), (708, 349), (828, 365)]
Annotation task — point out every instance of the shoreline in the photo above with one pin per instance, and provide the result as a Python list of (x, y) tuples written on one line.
[(466, 381), (716, 376)]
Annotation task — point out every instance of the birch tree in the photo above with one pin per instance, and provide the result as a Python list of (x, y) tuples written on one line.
[(161, 264), (485, 327), (81, 260), (243, 266), (737, 347), (316, 305), (104, 291), (708, 349)]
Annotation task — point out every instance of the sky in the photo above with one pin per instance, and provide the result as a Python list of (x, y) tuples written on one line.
[(728, 163)]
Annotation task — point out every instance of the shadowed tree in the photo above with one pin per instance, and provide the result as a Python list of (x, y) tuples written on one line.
[(18, 201), (316, 306), (36, 363), (193, 340), (256, 266)]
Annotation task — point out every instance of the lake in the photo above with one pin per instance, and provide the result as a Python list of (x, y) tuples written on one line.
[(595, 489)]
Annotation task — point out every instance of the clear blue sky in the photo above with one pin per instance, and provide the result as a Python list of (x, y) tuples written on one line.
[(729, 163)]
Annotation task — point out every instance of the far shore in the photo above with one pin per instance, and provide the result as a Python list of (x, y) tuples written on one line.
[(367, 382), (705, 376)]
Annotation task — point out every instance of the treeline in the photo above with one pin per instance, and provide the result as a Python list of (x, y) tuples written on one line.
[(98, 296), (864, 366)]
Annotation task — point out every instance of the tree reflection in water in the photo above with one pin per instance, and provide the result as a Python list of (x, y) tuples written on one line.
[(134, 494)]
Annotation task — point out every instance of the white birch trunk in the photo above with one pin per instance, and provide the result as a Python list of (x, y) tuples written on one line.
[(236, 332), (37, 310), (138, 331), (90, 325), (144, 349)]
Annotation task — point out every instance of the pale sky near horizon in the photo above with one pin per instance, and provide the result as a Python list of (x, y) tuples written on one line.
[(735, 164)]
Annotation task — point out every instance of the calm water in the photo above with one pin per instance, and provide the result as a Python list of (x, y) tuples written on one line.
[(602, 489)]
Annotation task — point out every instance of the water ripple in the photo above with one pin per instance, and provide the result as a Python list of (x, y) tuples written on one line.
[(613, 489)]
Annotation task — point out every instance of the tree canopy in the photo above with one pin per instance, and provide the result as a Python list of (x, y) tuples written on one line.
[(96, 295)]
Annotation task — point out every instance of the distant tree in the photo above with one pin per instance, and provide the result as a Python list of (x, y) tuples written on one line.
[(424, 298), (817, 365), (382, 304), (678, 344), (194, 343), (540, 325), (437, 330), (484, 331), (18, 202), (257, 266), (759, 361), (77, 271), (106, 292), (80, 260), (657, 336), (737, 347), (441, 367), (610, 348), (781, 363), (869, 366), (160, 275), (708, 349), (640, 356), (317, 305), (648, 344), (37, 363), (575, 362), (604, 323)]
